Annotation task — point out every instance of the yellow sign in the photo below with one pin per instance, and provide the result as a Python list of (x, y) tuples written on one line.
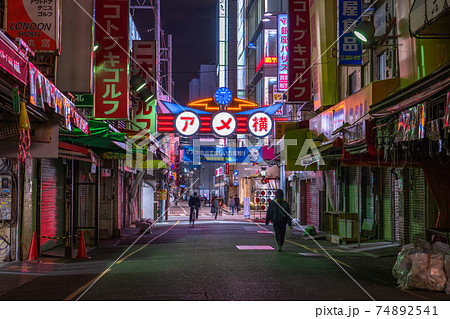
[(163, 194)]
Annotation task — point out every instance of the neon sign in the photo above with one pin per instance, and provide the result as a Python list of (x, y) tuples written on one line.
[(267, 60), (283, 55)]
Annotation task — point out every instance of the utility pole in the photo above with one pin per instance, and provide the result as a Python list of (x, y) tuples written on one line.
[(158, 48)]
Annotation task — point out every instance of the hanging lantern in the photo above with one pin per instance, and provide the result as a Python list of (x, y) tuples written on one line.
[(25, 140)]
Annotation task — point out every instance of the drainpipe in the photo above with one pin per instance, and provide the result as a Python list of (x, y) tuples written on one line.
[(19, 209)]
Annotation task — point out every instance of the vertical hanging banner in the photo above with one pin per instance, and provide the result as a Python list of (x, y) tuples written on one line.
[(144, 61), (111, 98), (299, 49), (283, 54), (350, 49), (35, 22)]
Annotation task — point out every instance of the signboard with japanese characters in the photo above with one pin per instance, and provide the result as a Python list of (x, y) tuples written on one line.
[(187, 123), (12, 62), (299, 49), (217, 154), (223, 124), (350, 48), (205, 117), (282, 52), (43, 92), (37, 22), (144, 60), (111, 99), (260, 124)]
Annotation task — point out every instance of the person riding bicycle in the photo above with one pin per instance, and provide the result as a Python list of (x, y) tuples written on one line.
[(194, 204)]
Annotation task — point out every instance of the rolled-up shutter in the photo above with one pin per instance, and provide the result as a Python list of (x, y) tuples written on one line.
[(387, 224), (312, 202), (86, 196), (417, 205), (52, 203), (354, 189)]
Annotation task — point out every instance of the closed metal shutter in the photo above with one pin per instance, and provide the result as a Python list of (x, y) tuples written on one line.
[(417, 204), (86, 197), (52, 203), (397, 217), (312, 202), (386, 189), (368, 194), (354, 189)]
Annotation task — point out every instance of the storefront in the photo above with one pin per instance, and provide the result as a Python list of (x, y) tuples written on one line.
[(410, 131)]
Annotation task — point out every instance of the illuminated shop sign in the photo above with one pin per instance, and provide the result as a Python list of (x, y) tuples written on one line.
[(350, 49), (187, 123), (299, 48), (283, 54), (266, 60), (223, 124)]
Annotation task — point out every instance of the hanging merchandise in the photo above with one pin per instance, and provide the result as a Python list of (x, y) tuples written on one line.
[(25, 140)]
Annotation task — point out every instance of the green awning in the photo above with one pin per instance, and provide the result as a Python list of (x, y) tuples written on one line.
[(101, 138)]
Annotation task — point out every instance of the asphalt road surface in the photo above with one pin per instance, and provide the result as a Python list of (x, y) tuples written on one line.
[(206, 262)]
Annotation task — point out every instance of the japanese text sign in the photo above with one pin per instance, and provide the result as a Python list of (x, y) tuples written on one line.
[(144, 59), (34, 21), (350, 48), (217, 154), (260, 124), (299, 49), (12, 62), (42, 92), (283, 54), (187, 123), (223, 124), (111, 60)]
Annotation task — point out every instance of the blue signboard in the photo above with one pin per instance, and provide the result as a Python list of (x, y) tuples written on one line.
[(350, 47), (236, 172), (213, 154)]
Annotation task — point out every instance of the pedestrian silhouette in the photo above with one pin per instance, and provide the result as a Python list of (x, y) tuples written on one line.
[(279, 213)]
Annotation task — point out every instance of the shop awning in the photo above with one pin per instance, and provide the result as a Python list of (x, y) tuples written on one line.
[(429, 19), (100, 140), (434, 83), (75, 152), (324, 159)]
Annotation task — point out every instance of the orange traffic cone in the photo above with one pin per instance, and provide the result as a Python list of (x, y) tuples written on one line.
[(33, 253), (82, 247)]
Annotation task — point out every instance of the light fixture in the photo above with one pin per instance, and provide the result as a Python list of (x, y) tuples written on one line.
[(146, 95), (268, 14), (96, 46), (265, 20), (137, 83), (365, 31)]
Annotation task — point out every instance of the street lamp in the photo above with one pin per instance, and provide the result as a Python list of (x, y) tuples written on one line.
[(364, 31)]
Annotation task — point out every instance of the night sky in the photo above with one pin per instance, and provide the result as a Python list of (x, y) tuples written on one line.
[(192, 24)]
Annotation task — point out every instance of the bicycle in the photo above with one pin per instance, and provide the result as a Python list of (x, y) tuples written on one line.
[(193, 214)]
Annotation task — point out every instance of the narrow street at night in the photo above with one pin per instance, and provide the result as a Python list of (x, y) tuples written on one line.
[(231, 258), (262, 158)]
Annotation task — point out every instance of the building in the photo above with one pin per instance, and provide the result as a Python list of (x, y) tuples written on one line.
[(374, 177), (72, 174)]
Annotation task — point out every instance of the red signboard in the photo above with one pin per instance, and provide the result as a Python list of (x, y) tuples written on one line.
[(111, 99), (166, 123), (12, 62), (36, 22), (144, 59), (299, 51)]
